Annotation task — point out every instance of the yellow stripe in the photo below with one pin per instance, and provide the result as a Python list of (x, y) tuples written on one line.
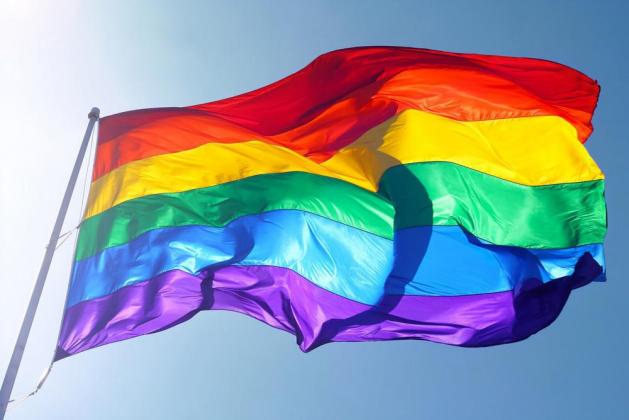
[(529, 151)]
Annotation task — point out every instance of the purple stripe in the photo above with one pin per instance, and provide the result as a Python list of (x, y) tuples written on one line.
[(285, 300)]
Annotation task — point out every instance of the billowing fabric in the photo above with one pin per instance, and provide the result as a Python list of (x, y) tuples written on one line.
[(379, 193)]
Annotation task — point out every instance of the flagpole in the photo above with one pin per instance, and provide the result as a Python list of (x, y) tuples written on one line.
[(18, 350)]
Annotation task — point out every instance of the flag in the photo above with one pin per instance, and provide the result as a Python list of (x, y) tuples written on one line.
[(379, 193)]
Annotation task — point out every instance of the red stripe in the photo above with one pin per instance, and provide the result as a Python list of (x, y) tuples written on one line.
[(342, 94)]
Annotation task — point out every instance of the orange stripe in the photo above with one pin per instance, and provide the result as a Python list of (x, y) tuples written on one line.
[(337, 98)]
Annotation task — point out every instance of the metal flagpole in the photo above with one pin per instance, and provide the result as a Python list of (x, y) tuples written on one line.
[(18, 350)]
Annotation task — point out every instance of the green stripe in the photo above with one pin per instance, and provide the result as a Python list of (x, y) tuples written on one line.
[(496, 210), (220, 204), (434, 193)]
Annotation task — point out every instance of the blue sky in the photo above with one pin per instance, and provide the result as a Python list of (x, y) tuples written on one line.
[(61, 58)]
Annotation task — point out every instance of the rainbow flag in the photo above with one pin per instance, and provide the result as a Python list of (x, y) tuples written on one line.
[(379, 193)]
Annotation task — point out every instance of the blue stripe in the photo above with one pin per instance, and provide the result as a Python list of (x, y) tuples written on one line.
[(438, 260)]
